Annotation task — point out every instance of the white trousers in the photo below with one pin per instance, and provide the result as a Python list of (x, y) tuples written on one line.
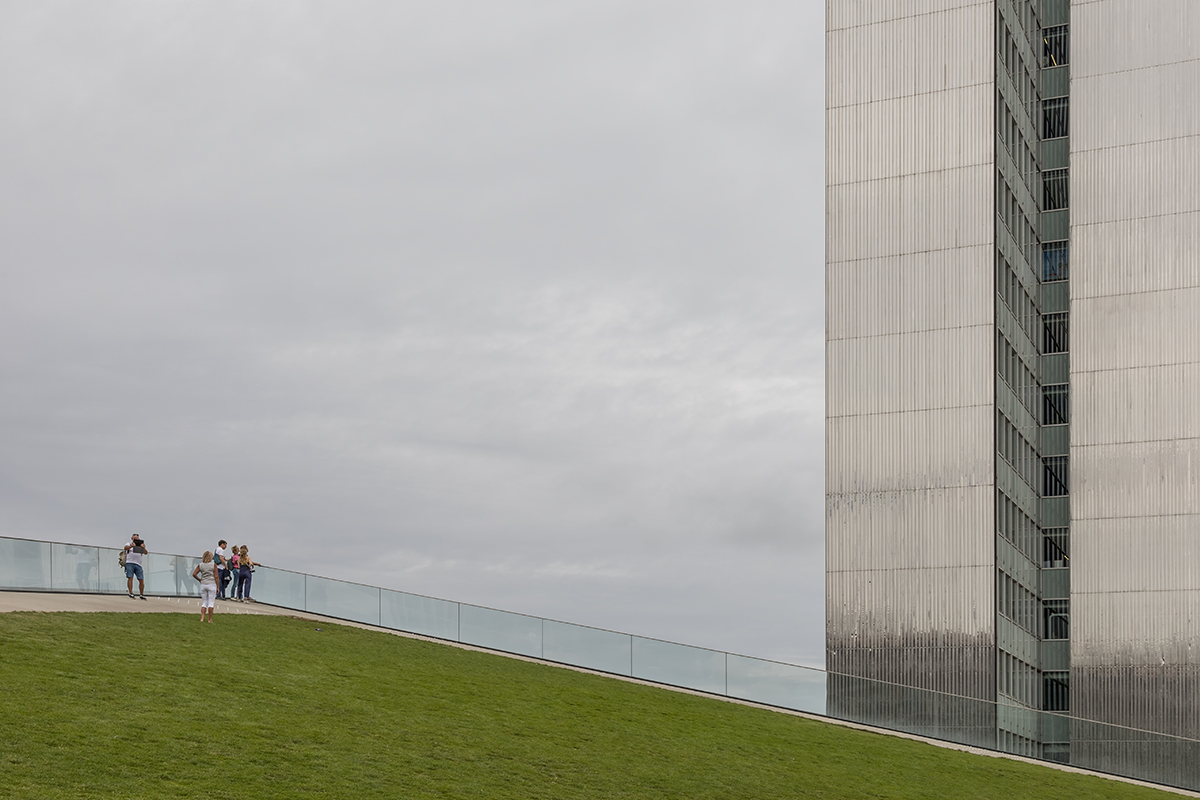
[(208, 595)]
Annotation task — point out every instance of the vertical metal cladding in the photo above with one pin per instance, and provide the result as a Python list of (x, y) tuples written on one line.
[(910, 497), (1135, 378)]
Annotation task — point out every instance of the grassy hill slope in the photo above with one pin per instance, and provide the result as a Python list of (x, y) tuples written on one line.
[(159, 705)]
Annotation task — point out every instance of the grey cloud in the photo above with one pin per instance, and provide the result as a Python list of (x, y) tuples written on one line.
[(518, 304)]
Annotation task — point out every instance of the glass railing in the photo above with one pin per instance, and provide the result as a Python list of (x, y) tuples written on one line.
[(48, 566)]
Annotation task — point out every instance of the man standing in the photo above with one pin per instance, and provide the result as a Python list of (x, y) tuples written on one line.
[(134, 551), (219, 556)]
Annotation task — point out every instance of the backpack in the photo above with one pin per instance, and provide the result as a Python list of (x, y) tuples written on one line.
[(121, 556)]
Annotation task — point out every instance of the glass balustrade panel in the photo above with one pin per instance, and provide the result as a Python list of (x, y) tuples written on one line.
[(341, 599), (783, 685), (1130, 753), (413, 613), (500, 630), (277, 587), (25, 564), (905, 708), (679, 665), (75, 568), (169, 575), (111, 573), (587, 647)]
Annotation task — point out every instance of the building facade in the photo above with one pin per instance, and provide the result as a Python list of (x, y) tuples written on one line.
[(1013, 370)]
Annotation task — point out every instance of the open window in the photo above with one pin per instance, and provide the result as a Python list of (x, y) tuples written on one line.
[(1056, 46)]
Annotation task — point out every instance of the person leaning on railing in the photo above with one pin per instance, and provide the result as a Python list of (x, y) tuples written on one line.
[(231, 564), (245, 569), (220, 558)]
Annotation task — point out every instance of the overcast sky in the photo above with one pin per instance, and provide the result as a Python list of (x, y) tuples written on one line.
[(513, 303)]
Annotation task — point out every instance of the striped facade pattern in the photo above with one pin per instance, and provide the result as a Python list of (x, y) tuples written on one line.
[(910, 500), (1135, 373)]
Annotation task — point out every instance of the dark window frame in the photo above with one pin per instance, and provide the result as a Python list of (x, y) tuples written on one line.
[(1056, 261), (1056, 118), (1056, 189), (1056, 403), (1056, 620), (1056, 46), (1056, 476), (1056, 333)]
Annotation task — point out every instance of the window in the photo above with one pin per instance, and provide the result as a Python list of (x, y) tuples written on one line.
[(1054, 476), (1056, 547), (1054, 333), (1055, 261), (1055, 46), (1055, 408), (1055, 118), (1056, 692), (1055, 184), (1056, 616)]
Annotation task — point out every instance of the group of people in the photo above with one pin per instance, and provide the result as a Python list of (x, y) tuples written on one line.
[(237, 568), (215, 572), (218, 570)]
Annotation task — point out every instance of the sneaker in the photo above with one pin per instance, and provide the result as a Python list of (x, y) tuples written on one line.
[(130, 597), (141, 597), (250, 600)]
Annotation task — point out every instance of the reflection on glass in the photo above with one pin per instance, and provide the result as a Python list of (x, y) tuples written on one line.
[(906, 708), (185, 584), (76, 569), (160, 570), (500, 630), (679, 665), (1055, 403), (587, 647), (340, 599), (1056, 261), (278, 587), (415, 614), (1136, 754), (24, 564), (112, 574), (1056, 186), (770, 682)]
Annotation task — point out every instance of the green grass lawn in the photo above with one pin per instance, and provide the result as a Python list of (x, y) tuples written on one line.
[(159, 705)]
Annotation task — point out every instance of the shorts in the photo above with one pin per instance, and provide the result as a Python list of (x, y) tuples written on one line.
[(134, 571), (208, 595)]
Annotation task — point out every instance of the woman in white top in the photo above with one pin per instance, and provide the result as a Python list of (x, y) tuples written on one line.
[(206, 573)]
